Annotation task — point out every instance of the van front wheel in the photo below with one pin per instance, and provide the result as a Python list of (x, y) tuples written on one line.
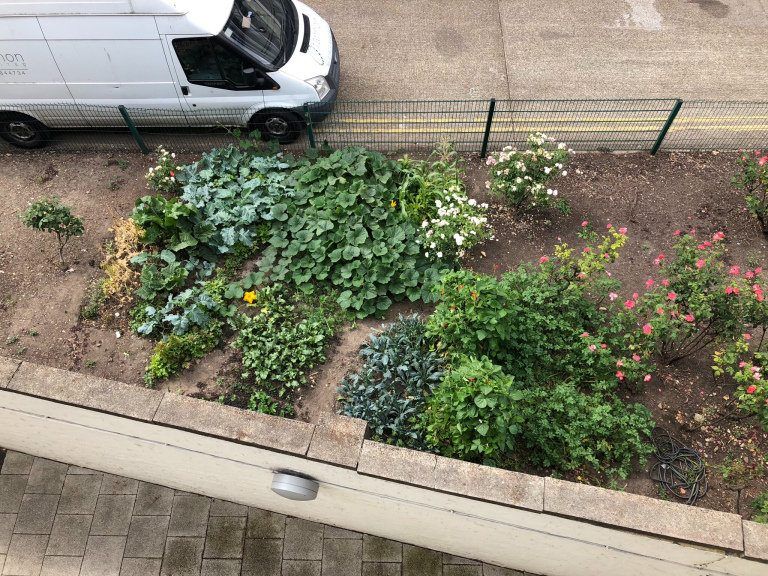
[(280, 125), (23, 131)]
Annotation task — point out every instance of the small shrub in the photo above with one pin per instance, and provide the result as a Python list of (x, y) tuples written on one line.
[(50, 215), (474, 413), (748, 370), (567, 429), (390, 390), (522, 177), (753, 180), (93, 301), (162, 177), (175, 353), (281, 338), (760, 508)]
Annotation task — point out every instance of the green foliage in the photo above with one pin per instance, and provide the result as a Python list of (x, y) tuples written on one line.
[(567, 429), (282, 338), (175, 353), (753, 180), (260, 401), (522, 176), (94, 300), (341, 229), (432, 196), (748, 369), (227, 195), (760, 507), (474, 413), (160, 274), (50, 215), (390, 390), (541, 323)]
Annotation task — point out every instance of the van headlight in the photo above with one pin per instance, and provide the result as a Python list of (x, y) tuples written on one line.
[(320, 84)]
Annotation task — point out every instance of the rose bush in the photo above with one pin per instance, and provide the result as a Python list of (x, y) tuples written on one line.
[(523, 176), (753, 180)]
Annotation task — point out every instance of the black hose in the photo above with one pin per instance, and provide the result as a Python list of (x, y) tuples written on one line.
[(679, 469)]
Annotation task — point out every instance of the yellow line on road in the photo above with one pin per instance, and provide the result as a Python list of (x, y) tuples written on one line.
[(572, 119)]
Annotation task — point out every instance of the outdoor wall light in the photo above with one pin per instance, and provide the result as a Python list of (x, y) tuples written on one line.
[(294, 487)]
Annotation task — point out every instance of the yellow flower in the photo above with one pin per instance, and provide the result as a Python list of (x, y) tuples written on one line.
[(249, 297), (393, 203)]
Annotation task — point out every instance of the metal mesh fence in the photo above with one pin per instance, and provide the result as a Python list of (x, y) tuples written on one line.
[(585, 125), (473, 126), (702, 125)]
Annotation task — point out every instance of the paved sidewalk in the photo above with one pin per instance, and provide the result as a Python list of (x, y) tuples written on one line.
[(61, 520)]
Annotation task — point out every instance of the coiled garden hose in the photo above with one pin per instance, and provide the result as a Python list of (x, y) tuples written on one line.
[(679, 469)]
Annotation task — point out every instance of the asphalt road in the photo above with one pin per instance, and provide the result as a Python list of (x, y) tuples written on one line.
[(459, 49)]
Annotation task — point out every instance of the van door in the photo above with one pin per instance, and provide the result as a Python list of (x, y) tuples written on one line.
[(107, 61), (220, 86)]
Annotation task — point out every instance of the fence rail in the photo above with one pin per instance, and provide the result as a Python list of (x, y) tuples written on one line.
[(473, 126)]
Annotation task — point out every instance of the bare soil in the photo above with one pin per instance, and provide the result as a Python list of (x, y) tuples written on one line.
[(652, 196)]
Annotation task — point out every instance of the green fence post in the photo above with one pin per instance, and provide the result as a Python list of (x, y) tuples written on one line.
[(665, 128), (488, 124), (310, 130), (133, 129)]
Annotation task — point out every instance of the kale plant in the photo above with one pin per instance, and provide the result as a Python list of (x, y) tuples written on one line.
[(390, 390)]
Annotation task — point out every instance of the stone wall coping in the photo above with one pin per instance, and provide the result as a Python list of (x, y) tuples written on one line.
[(8, 367), (755, 540), (644, 514), (339, 441), (263, 430)]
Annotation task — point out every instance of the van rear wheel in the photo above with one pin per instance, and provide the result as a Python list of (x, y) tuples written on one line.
[(281, 125), (23, 131)]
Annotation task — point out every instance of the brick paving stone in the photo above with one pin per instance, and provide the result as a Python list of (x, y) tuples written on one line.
[(301, 568), (103, 556), (79, 494), (17, 463), (69, 535), (264, 524), (303, 540), (79, 470), (262, 557), (224, 508), (334, 532), (118, 485), (25, 555), (153, 500), (11, 493), (46, 477), (219, 567), (381, 568), (189, 516), (36, 514), (421, 561), (342, 557), (61, 566), (146, 537), (491, 570), (224, 538), (113, 515), (451, 559), (6, 530), (183, 557), (377, 549), (141, 567), (462, 570)]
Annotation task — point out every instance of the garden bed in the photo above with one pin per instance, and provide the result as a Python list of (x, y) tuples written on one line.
[(40, 311)]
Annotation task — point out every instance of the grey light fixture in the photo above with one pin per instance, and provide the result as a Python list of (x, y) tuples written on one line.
[(294, 487)]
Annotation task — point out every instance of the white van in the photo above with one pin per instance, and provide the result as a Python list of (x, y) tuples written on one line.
[(249, 63)]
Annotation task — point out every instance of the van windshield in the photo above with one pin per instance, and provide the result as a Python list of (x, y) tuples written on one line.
[(263, 27)]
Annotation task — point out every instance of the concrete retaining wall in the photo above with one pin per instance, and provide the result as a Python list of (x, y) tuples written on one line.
[(540, 525)]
